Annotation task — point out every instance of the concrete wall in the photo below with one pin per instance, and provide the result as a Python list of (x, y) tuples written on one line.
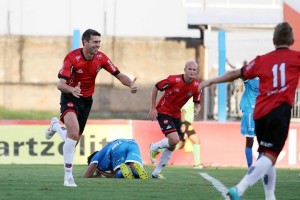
[(29, 67)]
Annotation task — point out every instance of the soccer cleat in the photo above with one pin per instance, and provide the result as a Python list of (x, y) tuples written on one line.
[(233, 194), (50, 132), (153, 153), (158, 176), (141, 171), (127, 173), (69, 182), (198, 166)]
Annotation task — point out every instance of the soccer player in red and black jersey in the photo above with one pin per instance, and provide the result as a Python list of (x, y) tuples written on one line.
[(279, 72), (77, 83), (178, 89)]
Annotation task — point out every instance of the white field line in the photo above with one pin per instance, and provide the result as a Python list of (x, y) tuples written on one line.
[(217, 184)]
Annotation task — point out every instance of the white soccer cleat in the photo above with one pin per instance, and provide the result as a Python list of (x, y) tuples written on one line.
[(50, 132), (158, 176), (198, 166), (153, 153), (70, 182)]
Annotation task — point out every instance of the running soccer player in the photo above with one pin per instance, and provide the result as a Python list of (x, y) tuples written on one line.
[(77, 84), (178, 89), (278, 72)]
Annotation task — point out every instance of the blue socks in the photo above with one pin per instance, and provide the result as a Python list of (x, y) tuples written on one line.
[(248, 152), (120, 175)]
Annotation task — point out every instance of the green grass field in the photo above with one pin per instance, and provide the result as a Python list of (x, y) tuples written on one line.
[(182, 183)]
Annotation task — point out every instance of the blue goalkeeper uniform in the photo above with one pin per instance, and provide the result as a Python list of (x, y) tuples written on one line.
[(116, 152), (247, 105)]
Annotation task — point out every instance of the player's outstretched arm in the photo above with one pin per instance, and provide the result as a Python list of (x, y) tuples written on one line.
[(227, 77), (125, 80)]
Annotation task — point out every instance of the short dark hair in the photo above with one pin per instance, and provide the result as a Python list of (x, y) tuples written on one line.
[(90, 157), (283, 34), (88, 34)]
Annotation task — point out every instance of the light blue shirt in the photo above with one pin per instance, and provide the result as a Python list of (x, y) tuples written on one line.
[(116, 152), (248, 99)]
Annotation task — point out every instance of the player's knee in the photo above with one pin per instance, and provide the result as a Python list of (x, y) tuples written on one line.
[(73, 136), (173, 141)]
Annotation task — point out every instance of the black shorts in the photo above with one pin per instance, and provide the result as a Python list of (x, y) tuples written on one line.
[(81, 106), (272, 129), (168, 124)]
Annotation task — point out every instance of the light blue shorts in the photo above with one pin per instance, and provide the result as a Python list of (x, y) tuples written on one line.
[(247, 125), (124, 153)]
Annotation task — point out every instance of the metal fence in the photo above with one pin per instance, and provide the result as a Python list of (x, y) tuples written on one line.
[(296, 106), (234, 94)]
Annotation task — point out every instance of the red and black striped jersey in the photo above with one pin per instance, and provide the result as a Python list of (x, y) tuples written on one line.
[(176, 94), (77, 69), (279, 72)]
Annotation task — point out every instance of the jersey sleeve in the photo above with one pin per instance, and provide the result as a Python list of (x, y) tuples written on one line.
[(109, 66), (197, 97), (248, 71), (163, 84), (66, 71)]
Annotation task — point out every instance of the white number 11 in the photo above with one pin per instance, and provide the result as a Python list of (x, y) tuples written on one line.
[(275, 75)]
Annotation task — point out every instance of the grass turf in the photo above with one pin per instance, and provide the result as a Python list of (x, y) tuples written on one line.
[(46, 182)]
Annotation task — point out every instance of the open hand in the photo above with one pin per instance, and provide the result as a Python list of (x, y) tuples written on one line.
[(152, 114)]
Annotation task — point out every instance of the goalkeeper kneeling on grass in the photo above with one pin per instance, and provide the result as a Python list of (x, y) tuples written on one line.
[(120, 158)]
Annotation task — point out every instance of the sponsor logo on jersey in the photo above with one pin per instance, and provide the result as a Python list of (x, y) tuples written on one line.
[(116, 144), (168, 127), (177, 79), (166, 121), (77, 58), (277, 91), (80, 71), (99, 56)]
